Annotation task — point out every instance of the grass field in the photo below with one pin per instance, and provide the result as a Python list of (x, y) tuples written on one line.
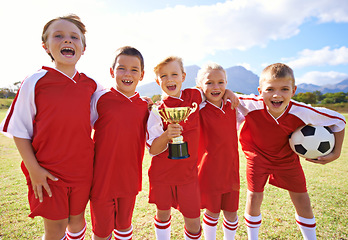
[(327, 187)]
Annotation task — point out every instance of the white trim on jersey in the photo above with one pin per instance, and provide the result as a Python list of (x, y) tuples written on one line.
[(308, 114), (23, 110), (318, 116), (155, 128), (94, 100)]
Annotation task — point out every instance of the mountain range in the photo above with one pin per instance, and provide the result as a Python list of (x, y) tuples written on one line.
[(240, 80)]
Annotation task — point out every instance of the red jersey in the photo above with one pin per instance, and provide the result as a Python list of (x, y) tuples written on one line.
[(53, 110), (265, 140), (218, 164), (169, 171), (120, 134)]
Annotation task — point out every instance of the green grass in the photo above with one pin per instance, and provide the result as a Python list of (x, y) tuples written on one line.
[(327, 187), (5, 103)]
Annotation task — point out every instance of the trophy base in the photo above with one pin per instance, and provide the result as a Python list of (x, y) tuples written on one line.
[(178, 150)]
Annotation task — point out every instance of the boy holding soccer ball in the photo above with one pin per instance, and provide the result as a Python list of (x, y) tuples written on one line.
[(269, 120)]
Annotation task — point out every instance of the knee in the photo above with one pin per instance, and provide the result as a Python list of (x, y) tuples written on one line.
[(163, 215), (54, 228), (193, 225), (76, 222), (255, 196)]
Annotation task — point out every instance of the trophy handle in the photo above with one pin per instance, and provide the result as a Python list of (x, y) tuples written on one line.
[(192, 110)]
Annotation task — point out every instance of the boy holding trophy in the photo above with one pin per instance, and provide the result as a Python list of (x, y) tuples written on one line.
[(119, 117), (173, 173)]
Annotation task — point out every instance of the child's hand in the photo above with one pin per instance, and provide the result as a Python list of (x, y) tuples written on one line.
[(233, 98), (149, 102), (38, 179), (336, 152), (173, 130), (325, 159)]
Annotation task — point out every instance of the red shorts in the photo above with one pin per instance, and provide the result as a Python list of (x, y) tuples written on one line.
[(65, 201), (215, 202), (185, 198), (291, 178), (111, 214)]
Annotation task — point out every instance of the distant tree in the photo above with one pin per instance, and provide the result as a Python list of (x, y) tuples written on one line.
[(318, 95), (338, 97), (10, 92), (307, 97), (7, 93), (16, 86)]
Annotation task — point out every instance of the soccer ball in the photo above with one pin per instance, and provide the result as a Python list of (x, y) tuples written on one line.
[(312, 141)]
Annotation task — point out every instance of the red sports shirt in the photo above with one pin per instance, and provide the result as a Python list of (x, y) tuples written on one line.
[(53, 110), (265, 140), (120, 135), (218, 164), (169, 171)]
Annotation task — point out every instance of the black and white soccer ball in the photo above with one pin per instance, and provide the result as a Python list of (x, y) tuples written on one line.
[(312, 141)]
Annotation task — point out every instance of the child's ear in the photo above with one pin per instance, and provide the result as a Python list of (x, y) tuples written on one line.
[(45, 47), (259, 89), (112, 72), (157, 81), (142, 75), (183, 76), (294, 90)]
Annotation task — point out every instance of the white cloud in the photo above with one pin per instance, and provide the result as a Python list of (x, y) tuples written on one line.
[(322, 78), (321, 57), (190, 32)]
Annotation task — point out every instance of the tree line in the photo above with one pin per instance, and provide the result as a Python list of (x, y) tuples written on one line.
[(308, 97), (318, 98)]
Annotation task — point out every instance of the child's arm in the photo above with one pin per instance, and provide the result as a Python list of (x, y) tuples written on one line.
[(336, 152), (160, 144), (149, 102), (38, 175), (233, 98)]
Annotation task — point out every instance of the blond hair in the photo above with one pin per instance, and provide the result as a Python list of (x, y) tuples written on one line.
[(168, 60), (277, 70), (208, 67), (71, 18)]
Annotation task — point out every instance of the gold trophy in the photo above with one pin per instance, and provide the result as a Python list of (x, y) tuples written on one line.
[(178, 147)]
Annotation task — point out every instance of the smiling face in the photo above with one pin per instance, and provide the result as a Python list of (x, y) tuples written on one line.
[(127, 74), (276, 93), (213, 85), (64, 43), (170, 78)]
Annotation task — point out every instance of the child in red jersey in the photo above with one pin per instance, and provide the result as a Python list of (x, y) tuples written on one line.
[(119, 117), (174, 183), (49, 120), (269, 120), (218, 162)]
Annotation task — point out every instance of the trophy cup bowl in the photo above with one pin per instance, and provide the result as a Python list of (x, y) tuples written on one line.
[(178, 147)]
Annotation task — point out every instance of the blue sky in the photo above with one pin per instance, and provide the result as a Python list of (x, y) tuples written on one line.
[(311, 36)]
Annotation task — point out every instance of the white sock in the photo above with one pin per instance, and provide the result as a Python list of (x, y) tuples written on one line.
[(209, 227), (76, 236), (190, 236), (307, 227), (253, 225), (230, 229), (123, 235), (162, 229)]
